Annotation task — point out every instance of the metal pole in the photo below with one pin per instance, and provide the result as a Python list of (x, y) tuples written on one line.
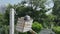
[(11, 21), (33, 32)]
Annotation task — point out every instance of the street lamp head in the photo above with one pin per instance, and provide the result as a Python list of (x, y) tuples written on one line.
[(27, 17)]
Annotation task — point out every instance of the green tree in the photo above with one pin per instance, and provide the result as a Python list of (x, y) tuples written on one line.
[(56, 11), (37, 3), (49, 21), (7, 14), (37, 15), (22, 10)]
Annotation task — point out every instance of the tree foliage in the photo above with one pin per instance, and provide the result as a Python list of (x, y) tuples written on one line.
[(43, 20), (56, 11)]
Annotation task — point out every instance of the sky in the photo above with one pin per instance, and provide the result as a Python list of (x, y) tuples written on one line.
[(48, 4), (2, 2)]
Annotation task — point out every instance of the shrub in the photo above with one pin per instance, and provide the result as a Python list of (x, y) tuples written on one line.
[(56, 29), (36, 26)]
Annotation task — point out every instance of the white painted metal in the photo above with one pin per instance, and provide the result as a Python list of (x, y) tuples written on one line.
[(24, 26), (12, 21)]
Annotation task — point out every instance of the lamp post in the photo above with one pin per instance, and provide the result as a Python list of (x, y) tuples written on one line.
[(27, 20), (11, 21)]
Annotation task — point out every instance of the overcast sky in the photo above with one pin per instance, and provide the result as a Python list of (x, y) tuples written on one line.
[(2, 2), (48, 4)]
